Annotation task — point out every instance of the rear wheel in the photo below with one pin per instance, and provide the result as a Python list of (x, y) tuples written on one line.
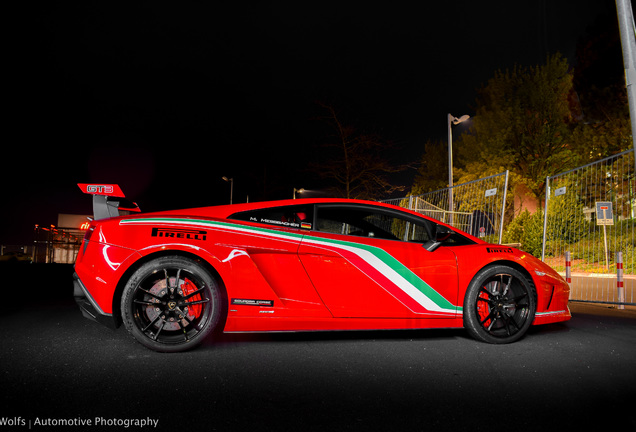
[(500, 305), (171, 304)]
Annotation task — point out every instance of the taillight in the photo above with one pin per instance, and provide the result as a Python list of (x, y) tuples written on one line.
[(87, 237), (89, 233)]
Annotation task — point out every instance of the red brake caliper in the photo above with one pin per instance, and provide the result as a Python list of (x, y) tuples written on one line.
[(482, 308), (188, 288)]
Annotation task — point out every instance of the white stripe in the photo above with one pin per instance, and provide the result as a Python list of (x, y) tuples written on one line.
[(390, 274), (549, 313)]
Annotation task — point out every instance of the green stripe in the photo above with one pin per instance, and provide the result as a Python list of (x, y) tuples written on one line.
[(416, 281), (403, 271)]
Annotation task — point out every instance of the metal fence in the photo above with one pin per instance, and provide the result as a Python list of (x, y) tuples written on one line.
[(589, 218), (476, 207), (55, 245)]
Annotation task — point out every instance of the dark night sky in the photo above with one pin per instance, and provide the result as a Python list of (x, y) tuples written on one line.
[(165, 98)]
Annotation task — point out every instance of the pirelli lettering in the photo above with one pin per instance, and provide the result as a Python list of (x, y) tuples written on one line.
[(499, 250), (177, 233)]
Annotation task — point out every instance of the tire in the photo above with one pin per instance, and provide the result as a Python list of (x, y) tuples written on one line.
[(499, 305), (170, 304)]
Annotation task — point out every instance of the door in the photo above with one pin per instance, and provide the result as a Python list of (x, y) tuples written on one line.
[(368, 261)]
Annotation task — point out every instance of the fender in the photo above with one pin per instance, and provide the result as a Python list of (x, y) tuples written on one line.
[(544, 278), (222, 267)]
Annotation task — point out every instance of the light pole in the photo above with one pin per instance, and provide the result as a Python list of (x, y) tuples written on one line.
[(454, 120), (231, 181), (301, 190)]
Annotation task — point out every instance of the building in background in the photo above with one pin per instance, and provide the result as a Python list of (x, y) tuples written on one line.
[(59, 244)]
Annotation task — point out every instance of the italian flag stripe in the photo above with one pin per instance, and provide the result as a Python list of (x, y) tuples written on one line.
[(376, 263)]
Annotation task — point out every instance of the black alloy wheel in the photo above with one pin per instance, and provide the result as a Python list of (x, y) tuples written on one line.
[(171, 304), (500, 305)]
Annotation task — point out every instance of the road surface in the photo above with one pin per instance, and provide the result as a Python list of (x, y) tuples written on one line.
[(62, 372)]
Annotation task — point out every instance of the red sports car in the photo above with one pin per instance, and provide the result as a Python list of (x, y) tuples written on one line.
[(174, 277)]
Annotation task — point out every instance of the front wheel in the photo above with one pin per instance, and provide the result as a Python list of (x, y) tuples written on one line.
[(171, 304), (500, 305)]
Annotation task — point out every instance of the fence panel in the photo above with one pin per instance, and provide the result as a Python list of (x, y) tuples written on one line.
[(590, 215), (475, 207), (54, 245)]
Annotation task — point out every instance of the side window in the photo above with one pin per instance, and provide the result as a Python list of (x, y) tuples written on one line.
[(417, 233), (371, 222), (300, 216)]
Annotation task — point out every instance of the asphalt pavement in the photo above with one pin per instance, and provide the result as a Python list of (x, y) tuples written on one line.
[(63, 372)]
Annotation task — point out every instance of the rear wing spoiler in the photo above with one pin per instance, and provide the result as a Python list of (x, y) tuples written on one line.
[(108, 200)]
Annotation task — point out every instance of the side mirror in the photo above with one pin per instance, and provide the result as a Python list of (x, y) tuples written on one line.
[(442, 233)]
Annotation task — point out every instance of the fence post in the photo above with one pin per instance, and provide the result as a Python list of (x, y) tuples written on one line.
[(503, 208), (545, 216), (568, 270), (619, 280), (568, 267)]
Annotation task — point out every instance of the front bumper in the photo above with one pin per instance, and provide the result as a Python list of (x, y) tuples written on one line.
[(550, 317), (552, 306), (90, 309)]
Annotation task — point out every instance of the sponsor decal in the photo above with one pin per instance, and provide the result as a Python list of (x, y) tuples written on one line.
[(101, 189), (234, 254), (177, 233), (98, 189), (276, 222), (252, 302), (499, 250)]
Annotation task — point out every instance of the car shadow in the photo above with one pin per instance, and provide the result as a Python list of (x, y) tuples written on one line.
[(229, 339)]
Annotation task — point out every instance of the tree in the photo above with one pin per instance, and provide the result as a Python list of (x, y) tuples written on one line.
[(433, 171), (604, 126), (522, 123), (527, 230), (599, 76), (356, 161), (594, 141)]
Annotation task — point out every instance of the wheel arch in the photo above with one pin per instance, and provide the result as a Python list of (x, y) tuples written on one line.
[(510, 263), (123, 280), (515, 265)]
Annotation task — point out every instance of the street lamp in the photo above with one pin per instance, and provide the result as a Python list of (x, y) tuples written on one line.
[(231, 181), (301, 190), (454, 120)]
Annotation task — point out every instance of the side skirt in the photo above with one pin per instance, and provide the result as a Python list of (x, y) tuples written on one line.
[(285, 324)]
